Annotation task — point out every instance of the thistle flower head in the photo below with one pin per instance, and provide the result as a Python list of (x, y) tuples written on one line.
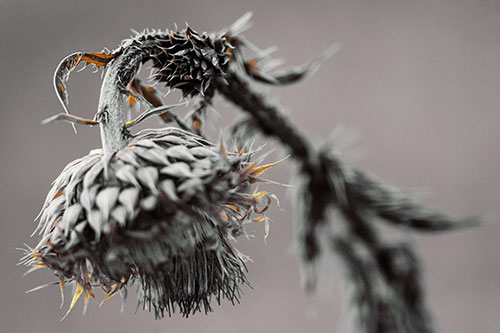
[(160, 208), (185, 59), (159, 213), (190, 61)]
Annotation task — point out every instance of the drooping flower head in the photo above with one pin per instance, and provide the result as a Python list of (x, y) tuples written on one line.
[(159, 208), (160, 213)]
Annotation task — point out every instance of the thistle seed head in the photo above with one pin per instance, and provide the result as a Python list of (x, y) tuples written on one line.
[(160, 213)]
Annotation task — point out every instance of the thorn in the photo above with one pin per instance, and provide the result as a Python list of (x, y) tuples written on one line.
[(87, 294), (70, 118), (61, 286), (263, 168), (111, 294), (41, 287), (222, 149), (32, 269), (76, 296)]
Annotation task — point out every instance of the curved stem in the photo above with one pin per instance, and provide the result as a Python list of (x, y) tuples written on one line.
[(269, 120), (111, 119), (114, 133)]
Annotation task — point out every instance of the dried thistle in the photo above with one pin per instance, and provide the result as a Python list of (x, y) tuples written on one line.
[(159, 212), (159, 208)]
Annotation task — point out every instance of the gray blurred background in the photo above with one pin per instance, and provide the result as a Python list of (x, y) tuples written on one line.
[(417, 80)]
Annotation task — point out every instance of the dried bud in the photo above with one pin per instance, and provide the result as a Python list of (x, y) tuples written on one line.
[(184, 59)]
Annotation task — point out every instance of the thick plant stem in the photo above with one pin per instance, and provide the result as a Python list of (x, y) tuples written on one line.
[(388, 295), (114, 133), (268, 119)]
